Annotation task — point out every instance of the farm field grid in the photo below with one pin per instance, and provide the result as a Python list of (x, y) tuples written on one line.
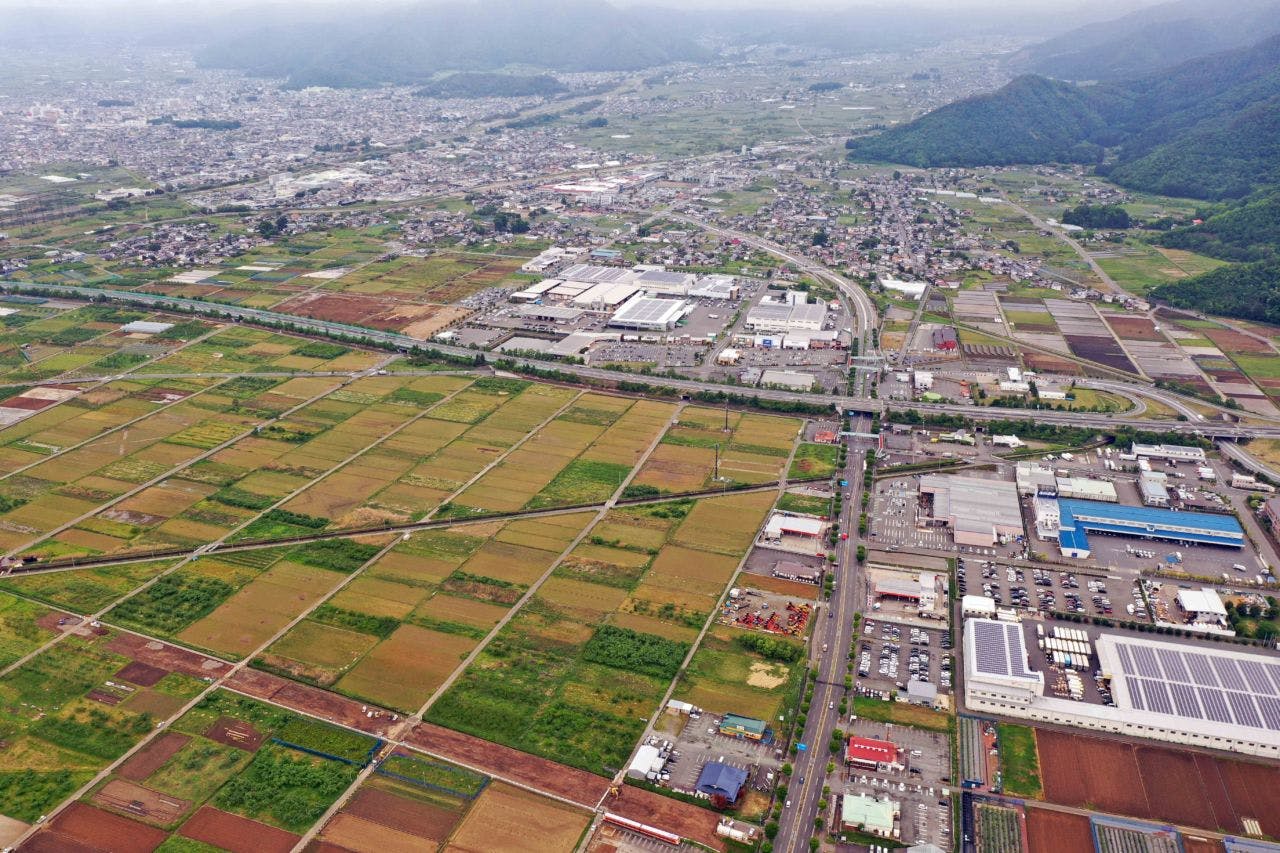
[(239, 495)]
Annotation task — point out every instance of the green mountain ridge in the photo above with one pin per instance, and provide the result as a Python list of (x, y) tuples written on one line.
[(1207, 129)]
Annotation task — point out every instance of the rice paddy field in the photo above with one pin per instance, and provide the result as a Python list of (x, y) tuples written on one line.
[(577, 670), (396, 632), (247, 488), (753, 449)]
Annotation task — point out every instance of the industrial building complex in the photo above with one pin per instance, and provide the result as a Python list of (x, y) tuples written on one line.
[(978, 511), (1076, 519), (1201, 695)]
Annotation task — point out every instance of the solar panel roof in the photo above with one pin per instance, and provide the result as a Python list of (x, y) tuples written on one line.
[(1198, 684)]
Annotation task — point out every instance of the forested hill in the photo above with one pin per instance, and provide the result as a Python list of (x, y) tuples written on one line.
[(1030, 120), (1151, 39), (1209, 128), (410, 44)]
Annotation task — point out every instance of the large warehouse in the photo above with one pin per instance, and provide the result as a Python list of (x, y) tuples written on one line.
[(979, 512), (1076, 519), (1201, 695), (649, 314)]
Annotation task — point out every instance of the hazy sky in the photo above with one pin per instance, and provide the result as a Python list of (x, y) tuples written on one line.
[(1067, 7)]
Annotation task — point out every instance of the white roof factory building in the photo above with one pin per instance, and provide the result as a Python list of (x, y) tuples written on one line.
[(649, 314), (1169, 452), (979, 512), (1202, 695)]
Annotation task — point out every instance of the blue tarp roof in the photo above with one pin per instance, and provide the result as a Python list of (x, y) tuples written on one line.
[(1118, 513), (1100, 517), (723, 779)]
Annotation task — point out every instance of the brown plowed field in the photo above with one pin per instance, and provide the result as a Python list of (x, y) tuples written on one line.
[(1174, 787), (153, 756), (1104, 774), (1043, 363), (1057, 832), (1134, 328), (1201, 845), (233, 732), (237, 834), (56, 620), (93, 829), (142, 674), (1162, 783), (1102, 350), (538, 773), (137, 801), (365, 836), (164, 656), (320, 846), (1231, 341), (311, 700), (415, 818), (665, 813)]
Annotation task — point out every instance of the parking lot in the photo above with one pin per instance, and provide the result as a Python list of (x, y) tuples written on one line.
[(893, 515), (920, 787), (1046, 588), (889, 655), (700, 741)]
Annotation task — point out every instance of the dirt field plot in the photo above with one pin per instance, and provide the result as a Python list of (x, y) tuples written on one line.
[(237, 733), (143, 803), (83, 827), (685, 819), (361, 835), (394, 805), (1134, 328), (1158, 782), (236, 834), (511, 820), (1237, 343), (151, 757), (1057, 832)]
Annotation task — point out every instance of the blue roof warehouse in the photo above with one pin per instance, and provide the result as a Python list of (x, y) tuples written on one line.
[(1077, 519)]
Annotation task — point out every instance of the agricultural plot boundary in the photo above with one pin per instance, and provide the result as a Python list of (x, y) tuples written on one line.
[(481, 780), (72, 563), (364, 762)]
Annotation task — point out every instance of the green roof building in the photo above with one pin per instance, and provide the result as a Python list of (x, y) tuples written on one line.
[(736, 726), (869, 814)]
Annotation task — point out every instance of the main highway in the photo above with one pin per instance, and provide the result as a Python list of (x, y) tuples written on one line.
[(829, 653), (1194, 424)]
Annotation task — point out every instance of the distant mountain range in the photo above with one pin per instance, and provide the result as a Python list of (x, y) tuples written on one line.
[(1209, 128), (410, 44), (1151, 39)]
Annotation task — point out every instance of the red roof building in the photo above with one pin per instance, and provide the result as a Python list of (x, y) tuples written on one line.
[(870, 753)]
